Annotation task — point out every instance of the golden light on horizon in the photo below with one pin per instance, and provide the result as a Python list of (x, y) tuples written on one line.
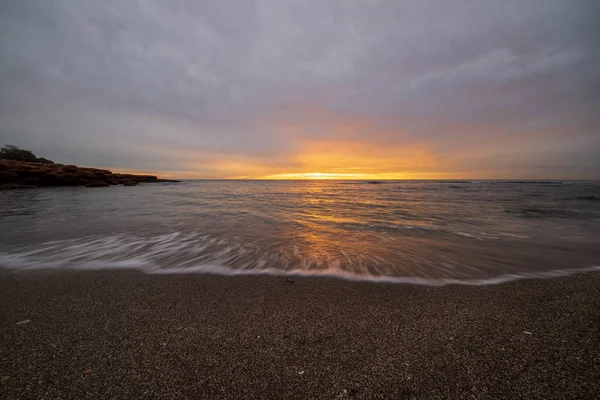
[(340, 176), (311, 176), (316, 160), (356, 160)]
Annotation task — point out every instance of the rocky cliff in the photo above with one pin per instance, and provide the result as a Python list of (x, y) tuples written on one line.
[(19, 174)]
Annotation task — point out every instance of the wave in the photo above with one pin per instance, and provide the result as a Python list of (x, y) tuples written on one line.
[(545, 213), (384, 279), (212, 269), (193, 253), (589, 198), (551, 183)]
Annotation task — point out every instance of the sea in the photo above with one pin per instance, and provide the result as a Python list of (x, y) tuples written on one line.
[(424, 232)]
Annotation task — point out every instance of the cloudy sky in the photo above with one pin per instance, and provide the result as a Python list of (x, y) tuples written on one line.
[(346, 88)]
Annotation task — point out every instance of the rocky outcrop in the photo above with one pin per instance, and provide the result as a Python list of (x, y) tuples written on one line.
[(18, 174)]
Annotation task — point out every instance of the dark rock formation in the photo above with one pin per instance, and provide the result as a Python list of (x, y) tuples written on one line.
[(15, 174)]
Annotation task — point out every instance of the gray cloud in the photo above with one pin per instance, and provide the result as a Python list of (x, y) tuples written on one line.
[(174, 85)]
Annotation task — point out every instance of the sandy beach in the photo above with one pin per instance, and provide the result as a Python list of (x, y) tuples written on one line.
[(128, 335)]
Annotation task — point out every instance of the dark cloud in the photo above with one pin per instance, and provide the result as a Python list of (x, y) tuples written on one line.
[(237, 88)]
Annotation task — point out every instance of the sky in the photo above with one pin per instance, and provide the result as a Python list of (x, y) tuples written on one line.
[(399, 89)]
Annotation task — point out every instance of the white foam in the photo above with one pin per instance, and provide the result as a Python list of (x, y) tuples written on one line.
[(17, 262), (334, 273), (190, 253)]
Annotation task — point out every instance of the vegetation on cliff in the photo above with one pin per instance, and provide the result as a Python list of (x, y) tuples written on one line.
[(10, 152)]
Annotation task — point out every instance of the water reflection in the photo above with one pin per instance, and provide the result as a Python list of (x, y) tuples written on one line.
[(431, 230)]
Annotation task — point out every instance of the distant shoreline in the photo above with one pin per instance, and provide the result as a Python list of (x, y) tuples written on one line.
[(21, 175), (315, 274)]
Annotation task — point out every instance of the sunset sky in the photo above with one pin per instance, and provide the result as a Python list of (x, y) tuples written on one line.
[(306, 89)]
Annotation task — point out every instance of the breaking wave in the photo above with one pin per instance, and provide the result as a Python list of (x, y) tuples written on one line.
[(194, 253)]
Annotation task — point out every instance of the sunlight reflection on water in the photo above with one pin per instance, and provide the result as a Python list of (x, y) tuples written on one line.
[(423, 230)]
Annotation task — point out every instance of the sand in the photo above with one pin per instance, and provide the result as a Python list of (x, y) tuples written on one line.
[(128, 335)]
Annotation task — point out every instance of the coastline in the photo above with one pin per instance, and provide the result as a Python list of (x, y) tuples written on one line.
[(27, 175), (126, 334)]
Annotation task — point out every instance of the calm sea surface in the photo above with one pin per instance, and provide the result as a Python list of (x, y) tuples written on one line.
[(414, 231)]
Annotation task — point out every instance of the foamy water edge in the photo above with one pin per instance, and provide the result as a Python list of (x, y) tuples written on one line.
[(220, 270)]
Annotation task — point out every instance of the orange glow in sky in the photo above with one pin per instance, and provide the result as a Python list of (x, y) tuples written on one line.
[(320, 175), (313, 144)]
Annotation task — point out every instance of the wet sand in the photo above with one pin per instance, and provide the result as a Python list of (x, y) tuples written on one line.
[(128, 335)]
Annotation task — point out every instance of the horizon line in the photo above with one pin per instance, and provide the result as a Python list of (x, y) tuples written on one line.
[(393, 179)]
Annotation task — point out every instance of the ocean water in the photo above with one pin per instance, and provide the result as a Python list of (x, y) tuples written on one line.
[(430, 232)]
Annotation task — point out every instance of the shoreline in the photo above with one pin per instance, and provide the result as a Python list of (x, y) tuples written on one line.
[(128, 334), (315, 274), (32, 174)]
